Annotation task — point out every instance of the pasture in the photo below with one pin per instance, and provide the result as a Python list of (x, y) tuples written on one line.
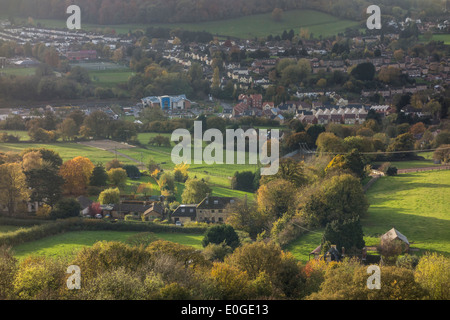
[(416, 204), (67, 244), (248, 27)]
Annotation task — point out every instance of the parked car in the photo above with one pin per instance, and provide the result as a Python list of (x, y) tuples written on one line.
[(178, 223)]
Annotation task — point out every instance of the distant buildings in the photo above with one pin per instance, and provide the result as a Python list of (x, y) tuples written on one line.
[(81, 55), (168, 103)]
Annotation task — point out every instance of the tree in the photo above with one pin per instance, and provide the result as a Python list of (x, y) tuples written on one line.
[(109, 196), (364, 71), (353, 161), (222, 233), (346, 234), (45, 183), (80, 75), (195, 191), (117, 177), (13, 187), (99, 176), (274, 199), (433, 274), (339, 198), (243, 181), (66, 208), (68, 129), (96, 124), (328, 142), (442, 153), (403, 142), (159, 141), (277, 14), (31, 160), (113, 164), (132, 171), (289, 170), (76, 173)]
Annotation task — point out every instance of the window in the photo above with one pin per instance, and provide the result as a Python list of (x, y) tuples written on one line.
[(212, 211), (216, 201), (182, 210), (191, 210), (220, 211)]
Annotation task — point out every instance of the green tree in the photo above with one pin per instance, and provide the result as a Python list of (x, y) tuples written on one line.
[(99, 176), (222, 233), (346, 234), (66, 208)]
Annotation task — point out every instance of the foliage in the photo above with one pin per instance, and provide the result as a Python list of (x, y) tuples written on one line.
[(433, 273), (13, 187), (219, 234), (109, 196), (66, 208), (99, 176), (195, 191), (76, 173), (117, 177), (346, 234)]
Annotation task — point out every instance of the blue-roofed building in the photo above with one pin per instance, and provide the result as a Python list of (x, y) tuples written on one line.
[(167, 103)]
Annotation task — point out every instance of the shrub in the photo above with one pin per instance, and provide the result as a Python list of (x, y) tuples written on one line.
[(221, 234), (391, 171), (132, 217), (66, 208)]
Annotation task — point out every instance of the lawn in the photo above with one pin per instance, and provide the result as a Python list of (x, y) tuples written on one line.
[(67, 244)]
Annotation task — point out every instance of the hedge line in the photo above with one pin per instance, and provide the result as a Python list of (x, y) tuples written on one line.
[(42, 230)]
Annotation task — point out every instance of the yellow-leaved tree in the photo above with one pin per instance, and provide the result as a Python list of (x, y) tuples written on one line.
[(76, 173)]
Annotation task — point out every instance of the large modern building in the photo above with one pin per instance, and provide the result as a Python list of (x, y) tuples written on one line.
[(168, 103)]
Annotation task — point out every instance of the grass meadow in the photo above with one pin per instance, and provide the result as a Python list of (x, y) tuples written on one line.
[(416, 204), (67, 244), (249, 27)]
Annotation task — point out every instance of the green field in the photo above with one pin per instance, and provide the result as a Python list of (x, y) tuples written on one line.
[(67, 151), (437, 37), (417, 205), (18, 71), (110, 78), (67, 244), (249, 27)]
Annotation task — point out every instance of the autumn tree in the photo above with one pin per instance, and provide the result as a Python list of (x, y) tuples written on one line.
[(109, 196), (68, 129), (277, 14), (433, 273), (76, 173), (277, 197), (13, 187), (117, 177), (195, 191)]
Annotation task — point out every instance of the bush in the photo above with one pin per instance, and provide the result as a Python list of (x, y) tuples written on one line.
[(66, 208), (221, 234), (391, 171), (131, 217), (93, 191)]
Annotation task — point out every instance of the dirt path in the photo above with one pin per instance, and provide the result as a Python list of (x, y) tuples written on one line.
[(400, 171)]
